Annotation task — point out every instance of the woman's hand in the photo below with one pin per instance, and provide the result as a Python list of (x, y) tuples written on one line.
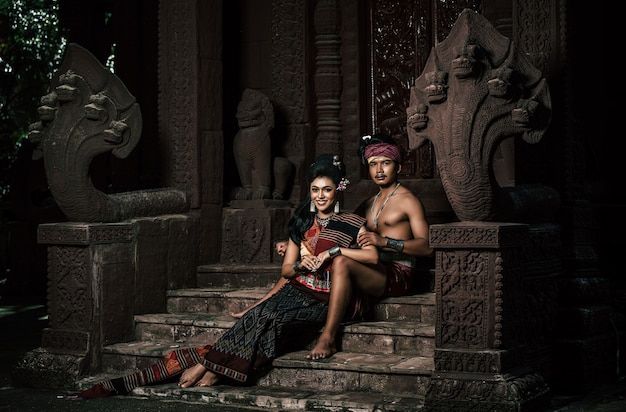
[(322, 258), (310, 262)]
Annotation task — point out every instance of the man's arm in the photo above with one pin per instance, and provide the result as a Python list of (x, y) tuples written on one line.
[(419, 245)]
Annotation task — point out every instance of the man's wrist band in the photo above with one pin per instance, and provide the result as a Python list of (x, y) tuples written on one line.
[(334, 251), (395, 244)]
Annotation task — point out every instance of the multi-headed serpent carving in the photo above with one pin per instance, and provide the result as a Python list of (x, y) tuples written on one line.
[(88, 112), (475, 91)]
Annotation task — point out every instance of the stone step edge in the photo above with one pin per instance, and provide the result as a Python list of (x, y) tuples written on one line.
[(274, 398), (245, 268), (207, 320), (360, 362), (240, 268), (344, 361), (426, 298)]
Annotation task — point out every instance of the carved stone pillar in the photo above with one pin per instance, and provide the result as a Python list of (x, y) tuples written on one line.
[(291, 91), (328, 79), (479, 324), (99, 276), (250, 228), (191, 139)]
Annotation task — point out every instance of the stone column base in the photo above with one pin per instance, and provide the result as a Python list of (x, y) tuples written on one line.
[(100, 275), (41, 368), (477, 392)]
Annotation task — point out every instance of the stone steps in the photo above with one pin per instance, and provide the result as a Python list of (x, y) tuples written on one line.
[(384, 362), (255, 398), (376, 337), (418, 307)]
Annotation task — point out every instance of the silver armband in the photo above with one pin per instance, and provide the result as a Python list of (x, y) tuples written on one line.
[(334, 251), (395, 244)]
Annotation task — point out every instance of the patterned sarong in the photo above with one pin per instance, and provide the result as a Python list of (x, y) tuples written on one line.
[(172, 365), (266, 331), (285, 321), (400, 273)]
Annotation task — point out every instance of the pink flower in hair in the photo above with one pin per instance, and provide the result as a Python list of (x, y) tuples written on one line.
[(343, 184)]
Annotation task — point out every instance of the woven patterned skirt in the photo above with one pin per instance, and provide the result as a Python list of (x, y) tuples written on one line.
[(286, 322)]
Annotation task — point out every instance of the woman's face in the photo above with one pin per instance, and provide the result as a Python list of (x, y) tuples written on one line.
[(324, 194)]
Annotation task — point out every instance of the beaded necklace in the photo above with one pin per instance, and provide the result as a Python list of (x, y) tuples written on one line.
[(323, 221), (383, 205)]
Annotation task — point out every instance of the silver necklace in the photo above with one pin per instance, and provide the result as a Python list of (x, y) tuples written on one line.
[(323, 221), (383, 205)]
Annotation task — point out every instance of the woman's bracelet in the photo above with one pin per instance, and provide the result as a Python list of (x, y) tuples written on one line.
[(334, 251), (296, 266), (395, 244)]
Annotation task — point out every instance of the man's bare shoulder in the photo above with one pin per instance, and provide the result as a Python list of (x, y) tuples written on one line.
[(408, 201), (407, 194)]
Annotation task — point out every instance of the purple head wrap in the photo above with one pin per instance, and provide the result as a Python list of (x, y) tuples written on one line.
[(387, 150)]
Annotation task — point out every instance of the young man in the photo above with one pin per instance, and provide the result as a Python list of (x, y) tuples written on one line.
[(395, 216), (397, 226)]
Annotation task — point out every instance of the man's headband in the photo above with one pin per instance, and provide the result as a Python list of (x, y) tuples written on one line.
[(390, 151)]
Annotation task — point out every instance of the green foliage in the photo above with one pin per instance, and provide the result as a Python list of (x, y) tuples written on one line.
[(31, 47)]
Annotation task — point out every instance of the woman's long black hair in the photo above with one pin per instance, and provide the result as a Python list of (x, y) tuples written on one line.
[(325, 165)]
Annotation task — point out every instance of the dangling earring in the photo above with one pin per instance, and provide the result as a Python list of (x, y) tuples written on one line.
[(337, 207), (312, 208)]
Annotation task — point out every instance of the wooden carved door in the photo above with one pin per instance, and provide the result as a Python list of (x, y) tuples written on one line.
[(400, 36)]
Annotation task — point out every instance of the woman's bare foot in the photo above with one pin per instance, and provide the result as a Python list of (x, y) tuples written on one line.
[(324, 348), (192, 375), (239, 315), (208, 379)]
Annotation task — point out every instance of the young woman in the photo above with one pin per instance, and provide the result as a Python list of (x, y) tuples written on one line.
[(321, 239)]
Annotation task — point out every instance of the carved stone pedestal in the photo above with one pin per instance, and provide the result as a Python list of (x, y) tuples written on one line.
[(479, 326), (250, 228), (99, 276)]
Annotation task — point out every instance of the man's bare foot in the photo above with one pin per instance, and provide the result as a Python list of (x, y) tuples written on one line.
[(208, 379), (192, 375), (323, 349)]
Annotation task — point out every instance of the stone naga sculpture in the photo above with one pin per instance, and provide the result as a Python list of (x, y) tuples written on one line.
[(252, 148), (88, 112), (476, 90)]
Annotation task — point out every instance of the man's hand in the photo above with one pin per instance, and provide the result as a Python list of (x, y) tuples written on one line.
[(281, 247), (367, 238)]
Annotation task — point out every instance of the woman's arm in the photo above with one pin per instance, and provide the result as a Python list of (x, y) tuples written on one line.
[(279, 284), (367, 255), (296, 263), (281, 248), (292, 255)]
